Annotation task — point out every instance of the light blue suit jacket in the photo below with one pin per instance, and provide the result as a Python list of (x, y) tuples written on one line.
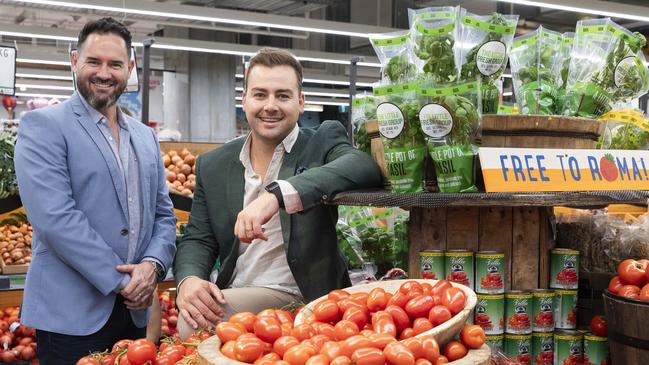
[(75, 198)]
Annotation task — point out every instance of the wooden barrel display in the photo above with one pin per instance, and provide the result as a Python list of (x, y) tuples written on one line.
[(540, 131), (628, 334)]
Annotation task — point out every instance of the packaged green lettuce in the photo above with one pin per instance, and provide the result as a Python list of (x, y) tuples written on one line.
[(395, 55), (606, 66), (363, 109), (484, 45), (536, 71), (404, 146), (450, 121), (433, 32)]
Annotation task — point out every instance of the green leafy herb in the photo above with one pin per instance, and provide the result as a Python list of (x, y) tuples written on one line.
[(437, 52), (470, 69), (8, 183), (399, 69)]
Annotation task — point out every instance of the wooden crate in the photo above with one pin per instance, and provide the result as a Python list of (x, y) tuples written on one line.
[(522, 233), (194, 147)]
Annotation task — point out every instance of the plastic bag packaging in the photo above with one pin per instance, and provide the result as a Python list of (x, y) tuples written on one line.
[(450, 121), (395, 55), (404, 146), (606, 65), (364, 109), (433, 33), (485, 42), (566, 48), (536, 71), (625, 136)]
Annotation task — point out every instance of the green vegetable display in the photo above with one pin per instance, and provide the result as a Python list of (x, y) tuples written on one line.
[(400, 69), (394, 52), (8, 183)]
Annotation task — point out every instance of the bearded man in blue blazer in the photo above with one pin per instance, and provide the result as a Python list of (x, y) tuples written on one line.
[(93, 184)]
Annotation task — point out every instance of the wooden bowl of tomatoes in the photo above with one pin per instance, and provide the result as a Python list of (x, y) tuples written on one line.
[(432, 307)]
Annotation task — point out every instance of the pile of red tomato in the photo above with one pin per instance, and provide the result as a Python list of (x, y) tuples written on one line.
[(169, 315), (361, 328), (172, 351), (632, 280), (17, 342)]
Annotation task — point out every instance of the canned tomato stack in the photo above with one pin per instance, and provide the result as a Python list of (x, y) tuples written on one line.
[(458, 267), (542, 326), (490, 289), (564, 278), (518, 328), (431, 264)]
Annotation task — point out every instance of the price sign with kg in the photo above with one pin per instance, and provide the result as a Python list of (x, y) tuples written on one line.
[(7, 70)]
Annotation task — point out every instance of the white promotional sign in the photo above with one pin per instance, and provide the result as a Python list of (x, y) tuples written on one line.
[(7, 70)]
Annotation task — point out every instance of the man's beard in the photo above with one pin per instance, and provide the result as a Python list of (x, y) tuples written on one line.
[(99, 103)]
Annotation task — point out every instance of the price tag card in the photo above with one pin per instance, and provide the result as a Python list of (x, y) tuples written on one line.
[(7, 70), (545, 170)]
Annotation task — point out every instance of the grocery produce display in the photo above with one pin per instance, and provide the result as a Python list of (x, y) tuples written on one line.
[(8, 183), (17, 342), (180, 169), (16, 242), (632, 280)]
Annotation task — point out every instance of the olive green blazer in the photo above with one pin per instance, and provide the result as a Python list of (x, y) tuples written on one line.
[(321, 163)]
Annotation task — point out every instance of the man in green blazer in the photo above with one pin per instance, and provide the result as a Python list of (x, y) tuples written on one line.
[(258, 205)]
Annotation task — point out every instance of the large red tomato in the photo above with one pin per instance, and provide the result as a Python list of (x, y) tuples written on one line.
[(398, 354), (629, 291), (419, 306), (141, 351), (377, 300), (644, 293), (455, 350), (615, 284), (268, 329), (229, 331), (598, 326), (632, 272), (247, 319), (368, 356)]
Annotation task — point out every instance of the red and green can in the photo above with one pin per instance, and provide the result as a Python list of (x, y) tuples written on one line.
[(495, 342), (568, 347), (595, 349), (565, 309), (542, 348), (459, 267), (490, 312), (518, 306), (542, 310), (519, 347), (564, 268), (431, 264), (489, 272)]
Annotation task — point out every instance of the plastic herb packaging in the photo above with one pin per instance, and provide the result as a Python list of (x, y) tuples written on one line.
[(484, 45), (606, 66), (433, 32), (404, 147), (394, 53), (536, 71), (566, 48), (625, 130), (364, 109), (450, 122)]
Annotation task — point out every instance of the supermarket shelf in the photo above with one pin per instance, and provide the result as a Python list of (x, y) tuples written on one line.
[(382, 198)]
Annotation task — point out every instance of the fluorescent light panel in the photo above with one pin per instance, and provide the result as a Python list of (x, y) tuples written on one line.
[(44, 87), (324, 81), (33, 95), (578, 9), (44, 77)]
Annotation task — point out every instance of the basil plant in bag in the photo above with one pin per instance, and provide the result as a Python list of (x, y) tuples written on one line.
[(606, 66), (535, 64), (564, 58), (363, 109), (433, 33), (403, 142), (450, 122), (483, 48), (394, 53)]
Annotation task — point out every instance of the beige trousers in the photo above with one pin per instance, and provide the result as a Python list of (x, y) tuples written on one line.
[(246, 300)]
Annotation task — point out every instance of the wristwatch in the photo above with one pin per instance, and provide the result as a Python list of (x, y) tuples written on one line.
[(274, 189), (159, 270)]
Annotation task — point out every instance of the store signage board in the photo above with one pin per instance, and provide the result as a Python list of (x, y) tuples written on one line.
[(7, 70), (546, 170), (133, 84)]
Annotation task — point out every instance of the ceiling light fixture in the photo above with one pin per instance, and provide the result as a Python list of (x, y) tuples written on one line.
[(44, 77), (43, 62), (32, 95), (325, 81), (44, 87), (561, 5)]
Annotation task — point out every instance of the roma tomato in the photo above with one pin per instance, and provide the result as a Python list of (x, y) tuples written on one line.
[(615, 284), (629, 291), (455, 350), (327, 311), (431, 347), (632, 272), (598, 325), (382, 322), (318, 359), (298, 355), (415, 346), (284, 317), (284, 343), (398, 354), (248, 349), (419, 306), (376, 300), (228, 331), (341, 360), (441, 360), (121, 345), (399, 316), (267, 313), (409, 286), (345, 329), (338, 295), (381, 340), (141, 351), (368, 356), (454, 299), (423, 362), (347, 303), (354, 343), (439, 314), (331, 349), (268, 329), (324, 329), (421, 325), (228, 350), (86, 360), (399, 299), (407, 333), (360, 298), (357, 316), (440, 287), (473, 336), (303, 332), (246, 319)]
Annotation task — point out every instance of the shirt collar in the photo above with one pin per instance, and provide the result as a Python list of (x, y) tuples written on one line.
[(97, 117), (287, 143)]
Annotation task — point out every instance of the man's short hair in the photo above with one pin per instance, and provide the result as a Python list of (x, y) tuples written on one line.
[(105, 26), (271, 57)]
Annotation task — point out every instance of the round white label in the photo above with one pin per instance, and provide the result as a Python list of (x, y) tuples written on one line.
[(491, 57), (390, 120), (436, 121), (623, 68)]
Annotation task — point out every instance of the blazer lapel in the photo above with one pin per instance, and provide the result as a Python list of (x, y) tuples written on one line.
[(91, 128), (234, 192), (287, 170)]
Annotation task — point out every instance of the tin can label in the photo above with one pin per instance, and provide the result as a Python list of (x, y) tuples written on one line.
[(495, 342), (595, 350), (543, 311), (459, 268), (564, 269), (519, 347), (431, 264), (565, 309), (568, 348), (490, 273), (542, 348), (517, 313), (490, 312)]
